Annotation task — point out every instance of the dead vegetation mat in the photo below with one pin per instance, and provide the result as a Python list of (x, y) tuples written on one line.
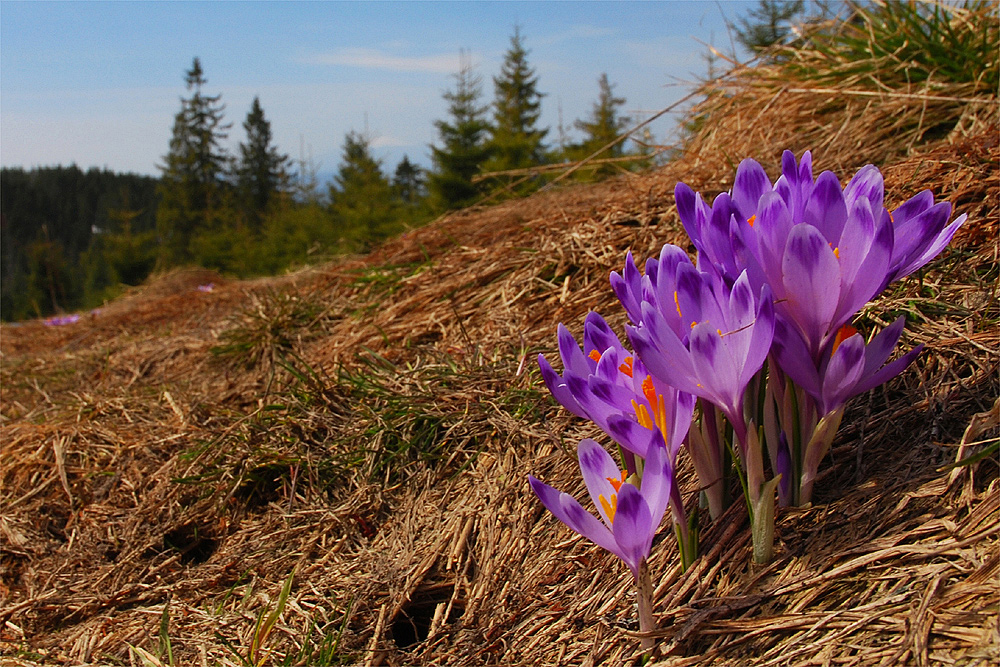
[(367, 428)]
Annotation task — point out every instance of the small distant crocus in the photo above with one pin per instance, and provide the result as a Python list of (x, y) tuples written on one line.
[(630, 512), (61, 320)]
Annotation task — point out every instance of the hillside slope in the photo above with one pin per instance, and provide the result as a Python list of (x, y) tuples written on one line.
[(368, 427)]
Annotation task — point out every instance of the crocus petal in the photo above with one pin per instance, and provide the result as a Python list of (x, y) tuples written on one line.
[(560, 391), (811, 276), (661, 351), (686, 199), (750, 184), (761, 336), (657, 479), (882, 345), (866, 183), (597, 334), (631, 435), (570, 512), (826, 209), (773, 224), (843, 372), (597, 468), (913, 206), (927, 235), (796, 182), (856, 238), (634, 527), (715, 238), (628, 289), (794, 358), (742, 316), (887, 372), (869, 278), (574, 361), (718, 378)]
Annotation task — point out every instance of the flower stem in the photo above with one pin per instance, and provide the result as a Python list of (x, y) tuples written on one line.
[(644, 592)]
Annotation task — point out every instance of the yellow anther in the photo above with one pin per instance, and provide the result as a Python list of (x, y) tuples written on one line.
[(677, 302), (642, 415), (609, 507)]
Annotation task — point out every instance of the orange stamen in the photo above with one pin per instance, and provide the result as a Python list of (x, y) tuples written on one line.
[(656, 404), (595, 355), (617, 483), (677, 303), (752, 219), (843, 334)]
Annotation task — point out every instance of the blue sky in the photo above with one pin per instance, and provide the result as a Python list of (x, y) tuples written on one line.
[(98, 83)]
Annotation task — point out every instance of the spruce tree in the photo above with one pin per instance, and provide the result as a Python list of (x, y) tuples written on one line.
[(408, 182), (516, 141), (463, 148), (605, 124), (261, 171), (193, 171), (768, 24), (361, 197)]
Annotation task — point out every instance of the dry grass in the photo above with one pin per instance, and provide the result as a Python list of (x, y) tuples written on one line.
[(369, 426)]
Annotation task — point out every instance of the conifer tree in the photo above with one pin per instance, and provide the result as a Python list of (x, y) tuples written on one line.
[(605, 124), (193, 170), (361, 198), (261, 171), (768, 24), (463, 143), (408, 182), (516, 141)]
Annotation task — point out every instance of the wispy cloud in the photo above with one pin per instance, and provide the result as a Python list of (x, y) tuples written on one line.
[(577, 33), (375, 59)]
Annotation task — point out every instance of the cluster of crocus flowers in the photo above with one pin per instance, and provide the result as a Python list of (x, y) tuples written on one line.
[(754, 340), (824, 252)]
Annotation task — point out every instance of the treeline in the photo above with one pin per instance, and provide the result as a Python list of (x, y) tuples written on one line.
[(71, 239)]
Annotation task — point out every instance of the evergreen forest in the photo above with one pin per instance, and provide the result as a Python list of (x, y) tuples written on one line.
[(73, 239)]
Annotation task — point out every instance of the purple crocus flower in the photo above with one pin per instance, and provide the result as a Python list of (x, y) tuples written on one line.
[(824, 250), (709, 341), (849, 368), (630, 511), (604, 383)]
